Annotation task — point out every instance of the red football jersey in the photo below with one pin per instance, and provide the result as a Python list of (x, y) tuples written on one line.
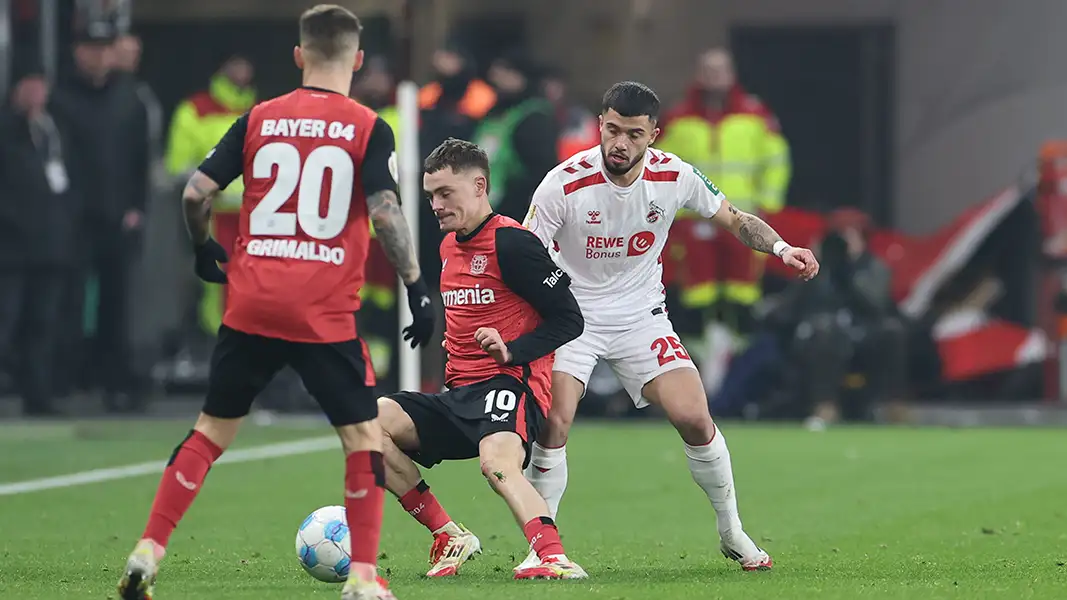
[(309, 160), (501, 276)]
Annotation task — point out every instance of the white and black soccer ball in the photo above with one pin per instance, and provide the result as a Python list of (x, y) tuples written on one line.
[(323, 545)]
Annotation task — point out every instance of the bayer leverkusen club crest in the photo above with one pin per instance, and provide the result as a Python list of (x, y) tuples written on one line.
[(478, 264)]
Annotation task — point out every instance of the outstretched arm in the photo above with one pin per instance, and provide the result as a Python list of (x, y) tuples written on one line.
[(750, 229), (703, 196), (753, 232)]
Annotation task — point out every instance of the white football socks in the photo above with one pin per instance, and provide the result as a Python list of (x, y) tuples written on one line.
[(710, 466), (548, 474)]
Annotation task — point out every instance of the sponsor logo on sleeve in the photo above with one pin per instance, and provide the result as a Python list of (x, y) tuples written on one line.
[(707, 182)]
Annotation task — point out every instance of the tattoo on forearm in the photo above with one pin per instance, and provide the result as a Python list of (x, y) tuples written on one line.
[(394, 234), (196, 206), (754, 233)]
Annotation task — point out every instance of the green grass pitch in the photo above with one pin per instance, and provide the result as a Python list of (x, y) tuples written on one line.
[(851, 513)]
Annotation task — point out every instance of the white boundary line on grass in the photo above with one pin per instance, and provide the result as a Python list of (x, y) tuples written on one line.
[(305, 446)]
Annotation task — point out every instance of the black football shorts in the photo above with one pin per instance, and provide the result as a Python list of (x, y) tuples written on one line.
[(339, 376), (452, 423)]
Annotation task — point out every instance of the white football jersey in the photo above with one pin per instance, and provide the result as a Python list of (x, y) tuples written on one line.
[(608, 238)]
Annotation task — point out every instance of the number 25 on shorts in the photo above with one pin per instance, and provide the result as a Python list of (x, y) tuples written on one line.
[(669, 349)]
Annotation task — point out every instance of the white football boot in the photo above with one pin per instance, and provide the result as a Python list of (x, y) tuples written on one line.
[(737, 546), (453, 545), (557, 566)]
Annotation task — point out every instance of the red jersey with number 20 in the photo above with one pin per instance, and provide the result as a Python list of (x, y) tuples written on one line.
[(297, 266)]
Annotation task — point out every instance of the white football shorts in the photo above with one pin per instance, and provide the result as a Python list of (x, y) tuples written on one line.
[(638, 354)]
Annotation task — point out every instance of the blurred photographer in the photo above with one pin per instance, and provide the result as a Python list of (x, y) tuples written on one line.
[(842, 328)]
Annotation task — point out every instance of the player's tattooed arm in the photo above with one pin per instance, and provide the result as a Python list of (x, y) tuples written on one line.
[(750, 229), (196, 206), (394, 234)]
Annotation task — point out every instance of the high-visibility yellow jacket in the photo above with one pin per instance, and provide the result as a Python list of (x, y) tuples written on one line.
[(740, 148), (199, 123)]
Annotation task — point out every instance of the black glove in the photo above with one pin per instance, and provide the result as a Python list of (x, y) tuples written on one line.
[(422, 314), (208, 256)]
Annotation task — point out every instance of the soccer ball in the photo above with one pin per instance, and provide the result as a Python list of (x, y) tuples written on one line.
[(323, 546)]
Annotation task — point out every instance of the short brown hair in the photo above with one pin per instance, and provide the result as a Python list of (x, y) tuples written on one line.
[(328, 31), (458, 155)]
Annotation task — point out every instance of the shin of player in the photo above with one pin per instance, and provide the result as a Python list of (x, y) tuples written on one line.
[(608, 210), (270, 322), (508, 307)]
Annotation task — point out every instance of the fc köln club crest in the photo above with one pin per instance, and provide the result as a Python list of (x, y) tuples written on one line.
[(478, 264), (654, 213)]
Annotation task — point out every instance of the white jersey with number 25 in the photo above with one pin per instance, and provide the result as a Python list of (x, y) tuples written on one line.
[(609, 238)]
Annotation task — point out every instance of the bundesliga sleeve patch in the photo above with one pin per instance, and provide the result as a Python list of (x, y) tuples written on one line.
[(707, 182), (394, 167), (530, 222)]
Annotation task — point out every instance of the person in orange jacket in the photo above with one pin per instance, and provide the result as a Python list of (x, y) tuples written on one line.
[(455, 85)]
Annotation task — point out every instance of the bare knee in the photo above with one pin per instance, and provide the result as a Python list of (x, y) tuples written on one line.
[(681, 395), (397, 424), (695, 427), (220, 431), (391, 416), (557, 428), (566, 392), (501, 456)]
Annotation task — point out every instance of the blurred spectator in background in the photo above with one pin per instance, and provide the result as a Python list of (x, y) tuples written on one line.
[(518, 134), (374, 86), (735, 140), (198, 124), (450, 106), (843, 326), (579, 128), (128, 50), (110, 169), (39, 212), (455, 100)]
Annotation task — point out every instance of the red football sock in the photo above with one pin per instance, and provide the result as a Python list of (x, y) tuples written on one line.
[(365, 503), (423, 505), (543, 536), (181, 481)]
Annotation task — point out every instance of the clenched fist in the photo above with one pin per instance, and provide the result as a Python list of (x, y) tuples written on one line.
[(493, 344), (802, 260)]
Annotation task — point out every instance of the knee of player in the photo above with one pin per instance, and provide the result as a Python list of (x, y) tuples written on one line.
[(501, 457), (389, 414), (559, 423), (696, 427)]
